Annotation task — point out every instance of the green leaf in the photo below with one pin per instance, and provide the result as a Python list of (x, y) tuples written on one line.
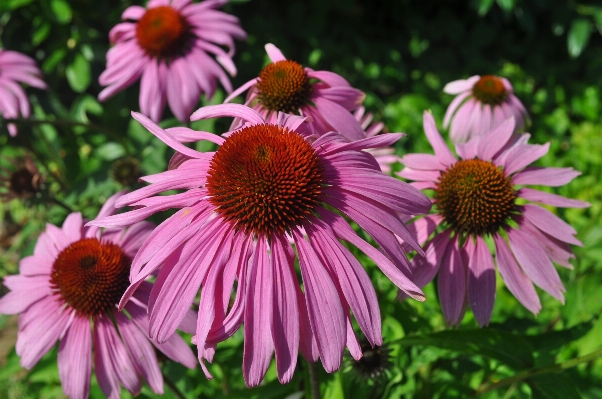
[(8, 5), (62, 11), (553, 386), (83, 105), (506, 5), (508, 348), (555, 339), (578, 36), (110, 151), (484, 7), (78, 73)]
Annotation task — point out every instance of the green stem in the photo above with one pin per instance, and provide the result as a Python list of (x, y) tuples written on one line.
[(173, 387), (525, 375), (314, 380)]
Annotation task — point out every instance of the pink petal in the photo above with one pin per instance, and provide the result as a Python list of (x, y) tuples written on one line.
[(232, 110), (492, 142), (258, 345), (516, 280), (75, 359), (520, 156), (553, 177), (442, 152), (185, 135), (285, 311), (549, 223), (24, 291), (330, 78), (481, 281), (274, 53), (453, 106), (339, 118), (461, 85), (536, 264), (141, 352), (452, 284), (551, 199), (326, 314)]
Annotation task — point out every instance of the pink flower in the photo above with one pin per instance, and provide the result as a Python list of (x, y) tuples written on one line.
[(285, 86), (166, 45), (266, 185), (482, 104), (477, 198), (68, 290), (385, 156), (16, 67)]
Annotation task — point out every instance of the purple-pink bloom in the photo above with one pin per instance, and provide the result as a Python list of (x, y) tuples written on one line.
[(16, 67), (482, 104), (325, 97), (476, 199), (167, 45), (266, 187), (385, 156), (68, 291)]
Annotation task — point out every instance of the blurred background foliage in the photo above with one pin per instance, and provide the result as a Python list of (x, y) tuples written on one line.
[(401, 53)]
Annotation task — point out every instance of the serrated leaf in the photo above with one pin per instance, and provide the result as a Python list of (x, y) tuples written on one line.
[(78, 73), (511, 349), (578, 36)]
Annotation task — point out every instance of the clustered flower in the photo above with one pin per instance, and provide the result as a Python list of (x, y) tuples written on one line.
[(300, 166)]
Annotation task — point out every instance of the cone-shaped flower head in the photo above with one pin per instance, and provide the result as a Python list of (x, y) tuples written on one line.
[(482, 104), (167, 46), (68, 291), (265, 189), (286, 86), (479, 197), (14, 68)]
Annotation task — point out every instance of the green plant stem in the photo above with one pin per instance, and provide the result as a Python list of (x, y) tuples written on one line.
[(173, 387), (525, 375), (314, 379), (61, 204)]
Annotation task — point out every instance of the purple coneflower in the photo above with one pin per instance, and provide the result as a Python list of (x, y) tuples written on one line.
[(482, 104), (385, 156), (16, 67), (68, 290), (476, 199), (168, 45), (265, 187), (286, 86)]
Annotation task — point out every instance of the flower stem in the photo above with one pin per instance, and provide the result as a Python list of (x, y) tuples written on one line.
[(314, 379), (525, 375), (173, 387)]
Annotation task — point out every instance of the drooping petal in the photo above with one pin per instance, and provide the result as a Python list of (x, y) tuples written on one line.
[(75, 359), (481, 281), (258, 346)]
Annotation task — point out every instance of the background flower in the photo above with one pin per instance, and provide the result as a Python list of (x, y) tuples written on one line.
[(166, 46), (476, 198), (68, 290), (264, 186), (482, 104), (16, 67), (286, 86)]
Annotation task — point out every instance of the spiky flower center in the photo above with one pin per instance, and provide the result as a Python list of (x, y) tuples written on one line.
[(163, 32), (91, 276), (265, 179), (490, 90), (284, 86), (475, 197)]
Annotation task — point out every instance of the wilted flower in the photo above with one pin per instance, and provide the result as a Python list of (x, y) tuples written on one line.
[(68, 290), (167, 46), (482, 104), (265, 187), (21, 180), (16, 67), (477, 198), (286, 86)]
